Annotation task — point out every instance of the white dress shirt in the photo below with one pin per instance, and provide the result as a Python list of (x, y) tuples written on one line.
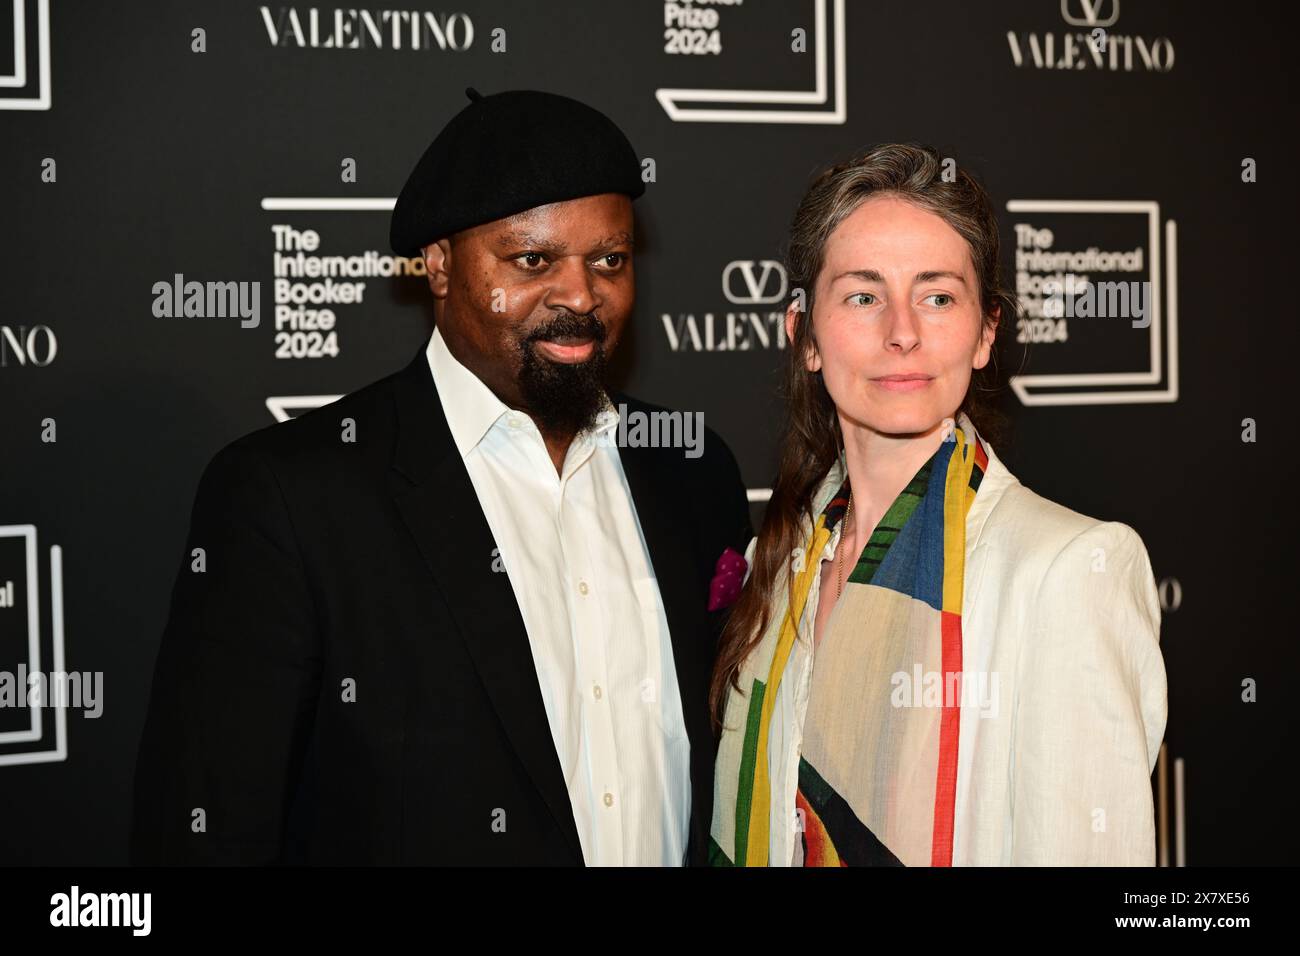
[(573, 548)]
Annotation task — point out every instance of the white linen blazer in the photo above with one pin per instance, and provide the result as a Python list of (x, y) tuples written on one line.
[(1063, 608)]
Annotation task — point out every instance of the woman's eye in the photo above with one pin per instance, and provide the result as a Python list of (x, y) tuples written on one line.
[(857, 297)]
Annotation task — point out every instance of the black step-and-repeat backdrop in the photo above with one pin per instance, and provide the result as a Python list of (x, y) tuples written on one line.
[(255, 149)]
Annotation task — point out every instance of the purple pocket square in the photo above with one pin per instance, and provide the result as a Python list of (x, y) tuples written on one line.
[(728, 577)]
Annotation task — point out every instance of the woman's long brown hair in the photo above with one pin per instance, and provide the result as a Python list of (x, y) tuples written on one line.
[(811, 439)]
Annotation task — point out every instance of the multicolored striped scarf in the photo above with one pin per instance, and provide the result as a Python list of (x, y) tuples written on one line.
[(878, 758)]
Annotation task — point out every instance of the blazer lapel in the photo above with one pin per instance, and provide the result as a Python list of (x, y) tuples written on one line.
[(441, 509), (665, 523)]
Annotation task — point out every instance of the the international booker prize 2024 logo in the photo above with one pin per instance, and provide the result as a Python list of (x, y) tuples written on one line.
[(29, 694), (320, 281), (25, 55), (1097, 280), (705, 30)]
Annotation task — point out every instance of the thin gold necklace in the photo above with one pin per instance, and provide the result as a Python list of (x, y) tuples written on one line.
[(839, 552)]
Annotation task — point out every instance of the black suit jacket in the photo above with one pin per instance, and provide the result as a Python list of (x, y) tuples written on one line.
[(367, 565)]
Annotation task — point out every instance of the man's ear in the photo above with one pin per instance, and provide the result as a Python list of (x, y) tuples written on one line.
[(793, 315), (437, 265)]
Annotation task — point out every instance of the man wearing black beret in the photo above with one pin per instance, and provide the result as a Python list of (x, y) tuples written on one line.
[(480, 632)]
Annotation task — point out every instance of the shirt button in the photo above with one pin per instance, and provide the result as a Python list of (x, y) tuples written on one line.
[(514, 422), (609, 799), (582, 587), (597, 692)]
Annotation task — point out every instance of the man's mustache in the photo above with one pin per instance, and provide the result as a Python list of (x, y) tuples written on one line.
[(569, 326)]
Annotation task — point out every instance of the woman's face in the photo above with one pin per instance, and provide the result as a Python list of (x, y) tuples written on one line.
[(897, 297)]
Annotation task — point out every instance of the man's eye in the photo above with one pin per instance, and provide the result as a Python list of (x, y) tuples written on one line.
[(613, 260), (531, 259), (947, 299)]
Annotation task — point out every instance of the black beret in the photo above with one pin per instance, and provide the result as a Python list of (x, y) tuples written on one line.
[(506, 153)]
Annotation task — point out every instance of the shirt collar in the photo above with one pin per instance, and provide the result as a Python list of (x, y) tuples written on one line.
[(472, 409), (470, 406)]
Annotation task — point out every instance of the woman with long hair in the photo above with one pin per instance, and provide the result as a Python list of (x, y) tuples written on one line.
[(929, 663)]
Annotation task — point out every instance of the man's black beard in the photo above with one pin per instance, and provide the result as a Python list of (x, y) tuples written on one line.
[(564, 398)]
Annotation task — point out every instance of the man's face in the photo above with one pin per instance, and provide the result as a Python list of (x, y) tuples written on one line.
[(535, 303)]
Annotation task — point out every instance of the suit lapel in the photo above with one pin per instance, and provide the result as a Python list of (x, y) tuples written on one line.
[(441, 509), (668, 543), (664, 519)]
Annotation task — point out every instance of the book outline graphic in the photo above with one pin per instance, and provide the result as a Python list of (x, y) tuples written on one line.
[(681, 103), (18, 79), (1043, 389), (59, 704)]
